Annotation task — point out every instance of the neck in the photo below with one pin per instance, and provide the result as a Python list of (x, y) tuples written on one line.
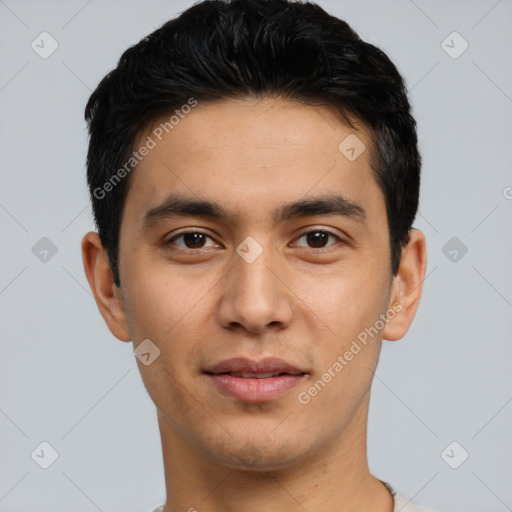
[(336, 478)]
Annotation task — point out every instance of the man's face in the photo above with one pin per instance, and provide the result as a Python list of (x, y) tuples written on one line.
[(301, 289)]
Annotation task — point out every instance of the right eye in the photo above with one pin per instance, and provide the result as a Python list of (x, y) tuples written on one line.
[(191, 240)]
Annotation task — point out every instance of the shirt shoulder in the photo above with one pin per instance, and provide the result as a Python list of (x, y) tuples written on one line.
[(402, 503)]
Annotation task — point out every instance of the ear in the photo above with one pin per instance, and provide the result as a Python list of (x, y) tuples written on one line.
[(101, 280), (407, 286)]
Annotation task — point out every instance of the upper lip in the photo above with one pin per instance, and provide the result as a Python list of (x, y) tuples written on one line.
[(246, 365)]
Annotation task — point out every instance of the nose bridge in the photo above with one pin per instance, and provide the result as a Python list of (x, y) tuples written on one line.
[(252, 273), (254, 296)]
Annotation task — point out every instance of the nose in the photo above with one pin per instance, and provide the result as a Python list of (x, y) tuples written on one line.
[(255, 294)]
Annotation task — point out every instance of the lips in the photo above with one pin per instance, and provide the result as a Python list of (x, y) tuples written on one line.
[(254, 381), (245, 368), (253, 375)]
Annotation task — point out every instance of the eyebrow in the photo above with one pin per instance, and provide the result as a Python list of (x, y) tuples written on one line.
[(177, 205)]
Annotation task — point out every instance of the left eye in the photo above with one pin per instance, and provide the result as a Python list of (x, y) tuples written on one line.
[(318, 237)]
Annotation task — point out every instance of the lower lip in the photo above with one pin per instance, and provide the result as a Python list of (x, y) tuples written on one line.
[(255, 390)]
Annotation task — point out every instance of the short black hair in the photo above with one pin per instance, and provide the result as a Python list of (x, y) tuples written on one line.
[(221, 49)]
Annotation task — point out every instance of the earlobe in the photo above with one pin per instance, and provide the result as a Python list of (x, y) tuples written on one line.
[(101, 280), (407, 286)]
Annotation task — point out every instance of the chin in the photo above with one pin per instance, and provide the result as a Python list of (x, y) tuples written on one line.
[(257, 455)]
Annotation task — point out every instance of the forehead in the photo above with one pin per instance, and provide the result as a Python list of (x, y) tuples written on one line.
[(237, 129), (254, 154)]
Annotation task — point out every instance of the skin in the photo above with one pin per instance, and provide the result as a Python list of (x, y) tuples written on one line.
[(204, 303)]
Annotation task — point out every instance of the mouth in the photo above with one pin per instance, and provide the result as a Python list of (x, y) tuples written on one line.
[(261, 375), (254, 381)]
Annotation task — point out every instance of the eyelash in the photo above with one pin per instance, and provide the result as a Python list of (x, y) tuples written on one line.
[(317, 250)]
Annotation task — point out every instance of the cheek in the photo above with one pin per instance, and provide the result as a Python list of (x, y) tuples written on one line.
[(346, 364), (171, 310), (158, 299), (348, 302), (160, 311)]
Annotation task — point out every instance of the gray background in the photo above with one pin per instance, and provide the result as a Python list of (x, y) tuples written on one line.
[(65, 380)]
